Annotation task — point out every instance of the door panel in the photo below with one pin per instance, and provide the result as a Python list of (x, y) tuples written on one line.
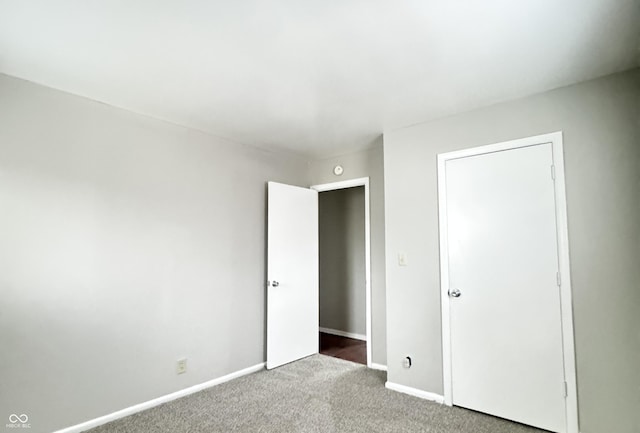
[(506, 335), (292, 272)]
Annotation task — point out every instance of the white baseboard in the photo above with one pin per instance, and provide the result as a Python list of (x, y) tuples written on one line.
[(378, 366), (343, 334), (415, 392), (158, 401)]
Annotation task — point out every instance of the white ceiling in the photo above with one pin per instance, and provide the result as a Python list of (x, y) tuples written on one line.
[(318, 78)]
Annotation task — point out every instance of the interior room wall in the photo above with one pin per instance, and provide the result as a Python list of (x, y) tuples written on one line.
[(125, 243), (342, 260), (367, 163), (600, 120)]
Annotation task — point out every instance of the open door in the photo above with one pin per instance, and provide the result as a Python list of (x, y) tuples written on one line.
[(292, 274)]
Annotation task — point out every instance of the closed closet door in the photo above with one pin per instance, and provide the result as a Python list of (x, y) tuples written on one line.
[(505, 315)]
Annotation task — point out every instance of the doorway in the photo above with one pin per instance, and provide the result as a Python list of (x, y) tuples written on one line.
[(344, 292), (292, 286), (342, 274)]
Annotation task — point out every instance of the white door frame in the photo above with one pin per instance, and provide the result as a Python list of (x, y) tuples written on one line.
[(557, 170), (362, 181)]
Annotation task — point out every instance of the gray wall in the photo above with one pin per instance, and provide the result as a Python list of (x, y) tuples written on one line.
[(601, 124), (342, 260), (125, 244), (368, 163)]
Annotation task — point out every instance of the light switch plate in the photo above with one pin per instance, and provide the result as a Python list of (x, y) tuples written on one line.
[(181, 366), (402, 259)]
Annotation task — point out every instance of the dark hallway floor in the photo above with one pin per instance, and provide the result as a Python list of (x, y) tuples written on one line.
[(343, 348)]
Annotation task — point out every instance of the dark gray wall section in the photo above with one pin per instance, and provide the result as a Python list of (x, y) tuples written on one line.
[(342, 260)]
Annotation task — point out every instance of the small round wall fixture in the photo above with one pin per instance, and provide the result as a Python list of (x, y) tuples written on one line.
[(338, 170)]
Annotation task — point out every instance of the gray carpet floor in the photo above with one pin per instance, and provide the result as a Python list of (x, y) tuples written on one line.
[(317, 394)]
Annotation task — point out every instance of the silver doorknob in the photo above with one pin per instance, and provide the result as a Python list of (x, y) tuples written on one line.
[(455, 293), (275, 284)]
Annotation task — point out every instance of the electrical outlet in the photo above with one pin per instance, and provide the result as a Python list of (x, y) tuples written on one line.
[(181, 366)]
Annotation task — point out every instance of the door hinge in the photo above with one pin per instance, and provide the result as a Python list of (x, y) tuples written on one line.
[(553, 172), (566, 389), (558, 279)]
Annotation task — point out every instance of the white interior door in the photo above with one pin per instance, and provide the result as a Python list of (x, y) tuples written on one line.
[(292, 273), (505, 325)]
